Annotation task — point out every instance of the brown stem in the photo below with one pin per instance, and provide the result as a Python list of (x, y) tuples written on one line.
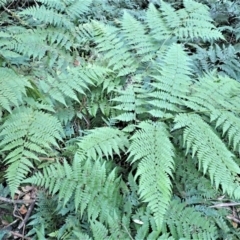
[(23, 223), (3, 199)]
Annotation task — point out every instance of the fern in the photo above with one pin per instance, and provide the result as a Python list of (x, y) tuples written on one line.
[(144, 142), (102, 142), (117, 53), (12, 89), (194, 225), (171, 85), (213, 155), (151, 145), (191, 22), (222, 57), (79, 180), (27, 134), (59, 87)]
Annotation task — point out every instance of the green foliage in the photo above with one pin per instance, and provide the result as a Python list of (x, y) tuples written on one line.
[(137, 107), (25, 135), (152, 147), (13, 89), (193, 224)]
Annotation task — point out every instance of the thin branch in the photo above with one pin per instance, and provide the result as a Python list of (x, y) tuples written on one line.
[(3, 199), (220, 205), (234, 219), (10, 224), (23, 223)]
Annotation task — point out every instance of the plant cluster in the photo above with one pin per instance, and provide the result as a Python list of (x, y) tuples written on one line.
[(123, 115)]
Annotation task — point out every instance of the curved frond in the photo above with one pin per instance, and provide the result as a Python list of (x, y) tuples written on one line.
[(212, 153)]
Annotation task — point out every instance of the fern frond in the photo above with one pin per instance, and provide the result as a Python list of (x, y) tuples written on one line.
[(130, 101), (191, 22), (186, 222), (12, 88), (152, 148), (77, 8), (59, 87), (159, 28), (115, 50), (196, 22), (219, 57), (25, 135), (171, 85), (73, 9), (34, 44), (99, 230), (104, 141), (87, 182), (58, 5), (190, 183), (229, 124), (47, 16), (140, 42), (213, 155), (212, 93)]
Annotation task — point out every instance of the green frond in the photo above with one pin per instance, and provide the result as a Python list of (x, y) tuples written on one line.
[(165, 237), (34, 44), (191, 22), (102, 142), (130, 101), (154, 151), (212, 93), (99, 230), (77, 8), (25, 135), (72, 8), (86, 182), (115, 50), (47, 16), (59, 87), (193, 224), (212, 153), (193, 187), (114, 231), (171, 85), (196, 22), (140, 41), (158, 26), (12, 88), (58, 5), (229, 124), (222, 57)]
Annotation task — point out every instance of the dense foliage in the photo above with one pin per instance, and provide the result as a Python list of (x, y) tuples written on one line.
[(123, 115)]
